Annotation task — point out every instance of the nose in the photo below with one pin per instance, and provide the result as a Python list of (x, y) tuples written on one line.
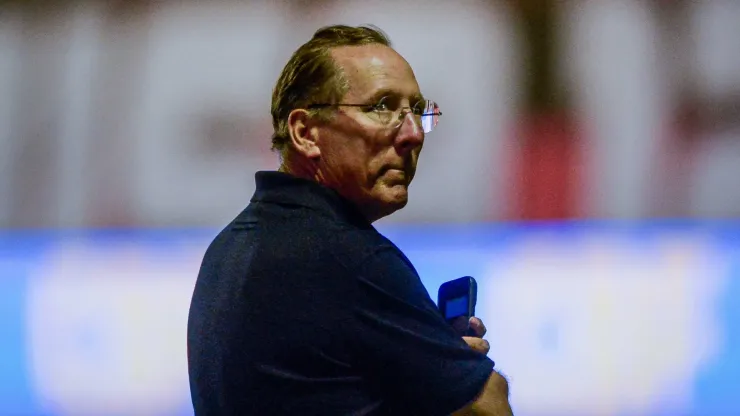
[(410, 133)]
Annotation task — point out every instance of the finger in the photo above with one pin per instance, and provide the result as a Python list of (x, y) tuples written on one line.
[(477, 325), (478, 344)]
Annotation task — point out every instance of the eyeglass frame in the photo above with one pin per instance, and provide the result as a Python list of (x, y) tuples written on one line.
[(374, 107)]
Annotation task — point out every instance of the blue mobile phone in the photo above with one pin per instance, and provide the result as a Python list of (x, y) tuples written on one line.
[(456, 300)]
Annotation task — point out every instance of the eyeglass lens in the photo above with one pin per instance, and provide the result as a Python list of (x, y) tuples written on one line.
[(430, 116)]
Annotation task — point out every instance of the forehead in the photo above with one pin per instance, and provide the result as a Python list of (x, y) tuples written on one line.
[(373, 68)]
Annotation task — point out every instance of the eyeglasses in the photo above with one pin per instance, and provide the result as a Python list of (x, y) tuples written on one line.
[(388, 112)]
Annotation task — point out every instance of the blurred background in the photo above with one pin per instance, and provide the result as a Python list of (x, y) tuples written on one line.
[(586, 171)]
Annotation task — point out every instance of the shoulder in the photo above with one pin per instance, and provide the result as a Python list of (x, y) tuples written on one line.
[(386, 269), (297, 238)]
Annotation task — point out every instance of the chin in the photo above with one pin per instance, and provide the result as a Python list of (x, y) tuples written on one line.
[(387, 199), (395, 197)]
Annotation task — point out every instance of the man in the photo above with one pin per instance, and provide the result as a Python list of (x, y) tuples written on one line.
[(301, 307)]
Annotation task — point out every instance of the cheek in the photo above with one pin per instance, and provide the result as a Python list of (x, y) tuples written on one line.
[(375, 164), (373, 158), (415, 156), (357, 165), (361, 153), (344, 155)]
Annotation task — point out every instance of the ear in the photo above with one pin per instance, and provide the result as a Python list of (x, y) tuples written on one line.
[(303, 135)]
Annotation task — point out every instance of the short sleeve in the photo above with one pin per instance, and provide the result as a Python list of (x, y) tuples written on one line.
[(405, 348)]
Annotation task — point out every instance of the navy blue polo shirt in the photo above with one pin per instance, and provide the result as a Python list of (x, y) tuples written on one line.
[(302, 308)]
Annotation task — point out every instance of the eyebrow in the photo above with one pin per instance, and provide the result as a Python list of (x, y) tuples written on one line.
[(384, 92)]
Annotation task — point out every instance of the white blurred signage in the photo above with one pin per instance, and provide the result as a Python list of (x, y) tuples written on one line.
[(603, 327), (107, 332)]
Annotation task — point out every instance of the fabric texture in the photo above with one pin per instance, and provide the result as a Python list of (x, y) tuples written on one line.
[(302, 307)]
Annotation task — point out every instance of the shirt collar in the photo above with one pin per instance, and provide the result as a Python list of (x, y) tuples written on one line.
[(283, 188)]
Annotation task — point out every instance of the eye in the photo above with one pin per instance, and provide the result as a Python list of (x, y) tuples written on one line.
[(419, 108), (382, 105)]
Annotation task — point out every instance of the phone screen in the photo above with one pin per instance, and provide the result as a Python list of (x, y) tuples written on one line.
[(456, 313), (456, 307)]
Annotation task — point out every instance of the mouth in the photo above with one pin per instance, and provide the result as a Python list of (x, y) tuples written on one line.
[(394, 170), (393, 167), (394, 175)]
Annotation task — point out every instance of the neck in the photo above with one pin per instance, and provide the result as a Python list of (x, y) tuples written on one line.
[(307, 169)]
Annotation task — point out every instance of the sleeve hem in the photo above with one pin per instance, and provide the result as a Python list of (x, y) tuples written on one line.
[(467, 391)]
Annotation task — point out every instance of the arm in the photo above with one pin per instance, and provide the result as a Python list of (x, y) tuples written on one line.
[(492, 401), (404, 347)]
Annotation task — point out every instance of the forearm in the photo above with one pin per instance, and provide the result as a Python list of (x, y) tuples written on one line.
[(493, 400)]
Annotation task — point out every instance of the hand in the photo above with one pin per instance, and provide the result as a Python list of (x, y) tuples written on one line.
[(477, 342)]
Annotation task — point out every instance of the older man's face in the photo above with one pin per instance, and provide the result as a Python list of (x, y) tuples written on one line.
[(367, 160)]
